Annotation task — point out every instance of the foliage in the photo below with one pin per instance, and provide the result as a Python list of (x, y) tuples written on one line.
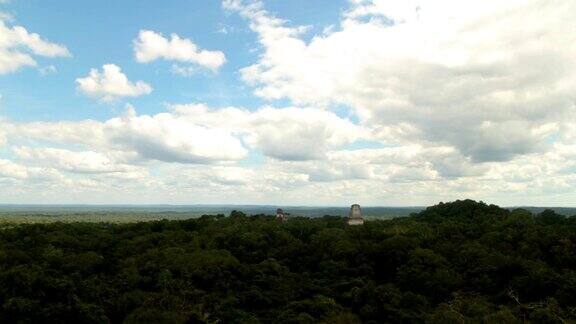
[(460, 262)]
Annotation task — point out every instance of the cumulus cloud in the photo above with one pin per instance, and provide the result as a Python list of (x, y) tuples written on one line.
[(401, 164), (283, 133), (393, 175), (328, 172), (2, 136), (9, 169), (18, 47), (299, 134), (492, 79), (84, 132), (131, 137), (151, 46), (111, 84), (73, 161), (214, 175), (413, 162), (165, 137), (196, 133)]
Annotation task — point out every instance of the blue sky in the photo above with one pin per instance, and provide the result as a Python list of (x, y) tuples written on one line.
[(288, 102), (111, 26)]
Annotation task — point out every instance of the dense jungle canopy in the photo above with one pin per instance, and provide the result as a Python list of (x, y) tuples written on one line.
[(460, 262)]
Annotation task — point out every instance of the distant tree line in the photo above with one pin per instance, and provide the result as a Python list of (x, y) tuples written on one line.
[(460, 262)]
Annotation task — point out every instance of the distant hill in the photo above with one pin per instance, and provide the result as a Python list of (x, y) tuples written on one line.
[(566, 211)]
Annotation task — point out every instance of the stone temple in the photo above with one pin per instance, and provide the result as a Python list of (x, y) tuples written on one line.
[(355, 216), (281, 215)]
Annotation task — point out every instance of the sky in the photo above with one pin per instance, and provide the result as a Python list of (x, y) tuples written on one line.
[(328, 102)]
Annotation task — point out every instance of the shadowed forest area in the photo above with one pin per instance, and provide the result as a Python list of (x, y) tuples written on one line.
[(460, 262)]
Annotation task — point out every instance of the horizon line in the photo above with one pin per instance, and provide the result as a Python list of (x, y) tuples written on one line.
[(247, 205)]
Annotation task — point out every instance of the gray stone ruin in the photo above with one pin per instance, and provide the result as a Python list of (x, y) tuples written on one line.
[(280, 215), (355, 216)]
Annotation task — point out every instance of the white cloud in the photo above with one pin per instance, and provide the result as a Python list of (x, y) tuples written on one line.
[(283, 133), (335, 171), (5, 16), (132, 138), (110, 84), (195, 133), (213, 175), (2, 136), (299, 134), (86, 132), (9, 169), (18, 46), (151, 46), (165, 137), (492, 79), (400, 175), (74, 161)]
